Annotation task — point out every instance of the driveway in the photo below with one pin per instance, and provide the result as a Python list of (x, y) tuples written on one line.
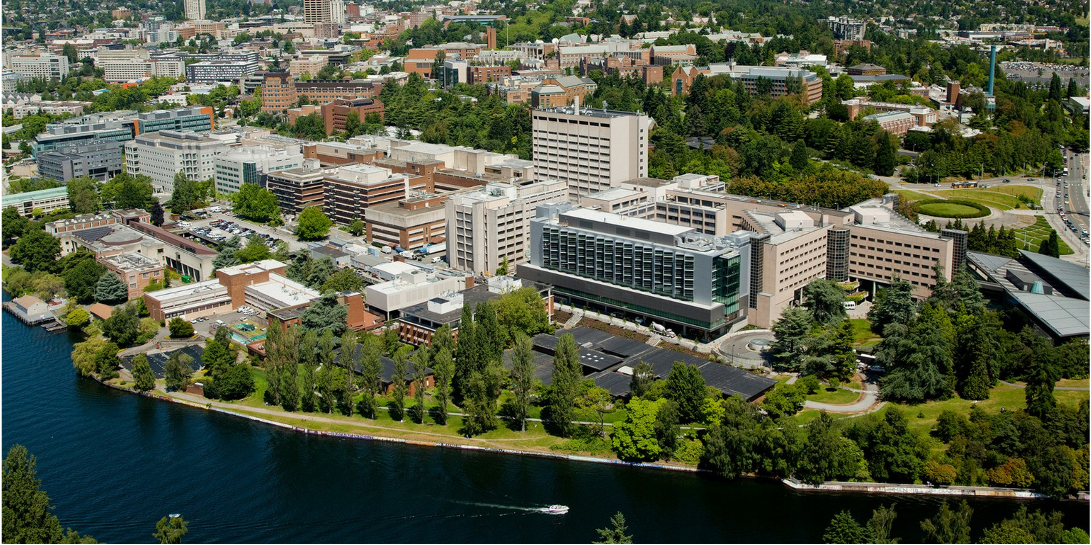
[(869, 401)]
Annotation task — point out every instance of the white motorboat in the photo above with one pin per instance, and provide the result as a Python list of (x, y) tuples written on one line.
[(555, 509)]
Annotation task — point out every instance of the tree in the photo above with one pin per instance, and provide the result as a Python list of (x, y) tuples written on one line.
[(882, 519), (784, 400), (1032, 527), (123, 326), (256, 203), (255, 250), (635, 438), (157, 214), (893, 305), (125, 191), (83, 195), (226, 253), (343, 280), (77, 317), (731, 447), (1052, 246), (686, 387), (170, 529), (825, 300), (826, 454), (843, 528), (1041, 378), (80, 272), (420, 374), (800, 158), (479, 406), (107, 362), (12, 224), (357, 228), (36, 250), (27, 513), (643, 376), (885, 159), (178, 371), (371, 367), (444, 368), (791, 334), (326, 314), (566, 377), (312, 224), (939, 474), (949, 526), (143, 378), (490, 336), (503, 269), (180, 328), (110, 289), (401, 374), (615, 533), (522, 378), (186, 195)]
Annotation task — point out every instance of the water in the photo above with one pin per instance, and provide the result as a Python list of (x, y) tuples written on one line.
[(114, 463)]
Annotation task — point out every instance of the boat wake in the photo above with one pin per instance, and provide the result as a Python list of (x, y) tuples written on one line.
[(551, 510)]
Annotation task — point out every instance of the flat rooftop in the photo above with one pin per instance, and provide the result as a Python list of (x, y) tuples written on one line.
[(283, 290), (256, 267), (623, 221)]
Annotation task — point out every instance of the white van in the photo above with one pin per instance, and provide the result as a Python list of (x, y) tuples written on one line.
[(850, 305)]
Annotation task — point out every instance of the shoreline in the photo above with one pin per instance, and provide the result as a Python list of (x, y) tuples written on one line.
[(866, 488)]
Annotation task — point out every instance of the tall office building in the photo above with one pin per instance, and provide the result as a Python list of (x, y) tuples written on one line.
[(44, 66), (590, 149), (195, 9), (488, 224), (161, 155), (674, 276), (324, 11)]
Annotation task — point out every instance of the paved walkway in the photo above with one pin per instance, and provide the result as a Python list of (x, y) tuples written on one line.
[(868, 401)]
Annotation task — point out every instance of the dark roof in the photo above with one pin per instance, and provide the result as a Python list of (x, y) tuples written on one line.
[(615, 383), (1071, 277), (158, 360), (662, 360), (94, 233), (388, 365), (329, 251), (596, 360), (584, 335), (473, 296), (543, 366), (622, 347), (731, 380)]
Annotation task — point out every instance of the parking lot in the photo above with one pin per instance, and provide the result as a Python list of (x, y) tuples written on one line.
[(208, 325), (279, 233)]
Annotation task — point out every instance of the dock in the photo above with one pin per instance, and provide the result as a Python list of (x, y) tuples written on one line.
[(29, 319), (55, 325)]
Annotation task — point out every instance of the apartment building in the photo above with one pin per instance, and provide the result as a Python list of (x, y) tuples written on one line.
[(44, 66), (845, 28), (409, 223), (773, 80), (163, 154), (324, 11), (219, 71), (135, 270), (279, 91), (251, 165), (335, 114), (122, 126), (24, 105), (590, 149), (693, 283), (101, 161), (298, 188), (45, 200), (351, 189), (195, 9), (486, 225)]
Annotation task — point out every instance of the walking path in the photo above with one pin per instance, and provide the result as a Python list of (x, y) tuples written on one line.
[(869, 402), (1066, 388)]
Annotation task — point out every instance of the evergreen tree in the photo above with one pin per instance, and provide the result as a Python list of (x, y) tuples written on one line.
[(885, 159), (371, 373), (522, 378), (790, 336), (27, 515), (566, 378), (444, 368), (825, 301), (420, 366), (800, 159), (469, 356), (686, 387), (844, 529), (157, 214), (949, 526), (1041, 378), (401, 374), (143, 378), (615, 533), (489, 335), (893, 304), (178, 371), (170, 529)]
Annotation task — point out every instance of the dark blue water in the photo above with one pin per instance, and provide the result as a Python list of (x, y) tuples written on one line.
[(114, 463)]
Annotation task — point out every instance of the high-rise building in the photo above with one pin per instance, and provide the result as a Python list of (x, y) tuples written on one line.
[(164, 154), (324, 11), (195, 9), (488, 224), (674, 276), (590, 149), (251, 165), (44, 66)]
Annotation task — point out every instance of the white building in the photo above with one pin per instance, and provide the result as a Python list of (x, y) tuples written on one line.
[(161, 155), (195, 9), (590, 149), (45, 66), (249, 164), (486, 225)]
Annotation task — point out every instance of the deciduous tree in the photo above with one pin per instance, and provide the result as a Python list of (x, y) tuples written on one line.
[(566, 377), (312, 224)]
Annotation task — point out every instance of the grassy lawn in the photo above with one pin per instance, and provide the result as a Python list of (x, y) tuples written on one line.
[(1035, 234), (946, 210), (809, 415), (1008, 397), (839, 396), (981, 196), (1073, 382), (1034, 193), (862, 333), (910, 196)]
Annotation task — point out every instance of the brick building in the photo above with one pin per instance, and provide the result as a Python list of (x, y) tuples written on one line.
[(409, 223)]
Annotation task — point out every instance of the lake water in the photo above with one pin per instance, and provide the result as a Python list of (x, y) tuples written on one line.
[(114, 463)]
